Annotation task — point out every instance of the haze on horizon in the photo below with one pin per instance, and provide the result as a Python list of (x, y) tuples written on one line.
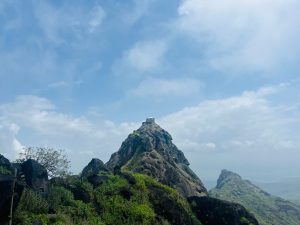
[(222, 77)]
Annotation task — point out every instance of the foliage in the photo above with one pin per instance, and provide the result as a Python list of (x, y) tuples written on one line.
[(55, 161), (59, 196), (32, 207), (124, 199), (32, 202)]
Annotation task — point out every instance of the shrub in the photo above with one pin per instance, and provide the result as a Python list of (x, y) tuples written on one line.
[(32, 202), (59, 196)]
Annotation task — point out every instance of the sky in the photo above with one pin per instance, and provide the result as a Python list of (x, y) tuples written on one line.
[(221, 76)]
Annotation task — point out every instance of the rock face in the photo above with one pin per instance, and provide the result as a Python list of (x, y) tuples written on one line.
[(6, 183), (268, 209), (5, 188), (211, 211), (93, 168), (36, 175), (149, 150)]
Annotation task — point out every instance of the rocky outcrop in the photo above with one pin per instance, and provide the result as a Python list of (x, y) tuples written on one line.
[(94, 167), (268, 209), (212, 211), (149, 150), (6, 189), (36, 175)]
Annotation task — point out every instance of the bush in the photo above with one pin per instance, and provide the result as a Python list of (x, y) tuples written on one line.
[(59, 196), (32, 207), (32, 202)]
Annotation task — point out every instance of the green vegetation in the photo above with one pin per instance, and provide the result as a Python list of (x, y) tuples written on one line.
[(124, 199), (4, 171)]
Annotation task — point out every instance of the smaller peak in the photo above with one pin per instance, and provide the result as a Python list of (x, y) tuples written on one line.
[(226, 173), (93, 168), (96, 160), (225, 176)]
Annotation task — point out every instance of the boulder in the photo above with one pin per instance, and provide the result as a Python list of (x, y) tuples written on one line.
[(93, 168), (212, 211), (36, 176)]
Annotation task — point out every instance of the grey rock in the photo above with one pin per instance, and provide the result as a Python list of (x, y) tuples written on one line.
[(212, 211), (36, 175), (93, 168)]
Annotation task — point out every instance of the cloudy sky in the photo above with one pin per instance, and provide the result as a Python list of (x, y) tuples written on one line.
[(222, 76)]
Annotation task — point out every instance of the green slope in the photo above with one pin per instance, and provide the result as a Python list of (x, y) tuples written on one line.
[(268, 209), (123, 199)]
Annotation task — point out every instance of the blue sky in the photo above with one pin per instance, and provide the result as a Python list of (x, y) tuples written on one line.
[(221, 76)]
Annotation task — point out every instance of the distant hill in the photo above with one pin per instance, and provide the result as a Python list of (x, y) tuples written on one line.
[(268, 209), (288, 189)]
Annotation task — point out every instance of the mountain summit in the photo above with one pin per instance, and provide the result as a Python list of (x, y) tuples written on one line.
[(268, 209), (149, 150)]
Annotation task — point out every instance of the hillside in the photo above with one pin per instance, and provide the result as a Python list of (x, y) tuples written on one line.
[(268, 209), (286, 188)]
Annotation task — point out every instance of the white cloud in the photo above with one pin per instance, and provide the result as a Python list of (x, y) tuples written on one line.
[(41, 125), (56, 22), (98, 15), (171, 88), (248, 133), (64, 84), (255, 131), (250, 34), (143, 57), (248, 122), (9, 144)]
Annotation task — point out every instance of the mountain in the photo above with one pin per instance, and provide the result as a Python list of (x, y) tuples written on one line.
[(150, 151), (268, 209), (148, 182)]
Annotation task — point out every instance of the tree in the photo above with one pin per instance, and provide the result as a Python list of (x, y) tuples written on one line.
[(55, 161)]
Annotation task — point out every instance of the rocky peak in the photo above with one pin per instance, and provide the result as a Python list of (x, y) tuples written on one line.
[(149, 150), (225, 176), (93, 168)]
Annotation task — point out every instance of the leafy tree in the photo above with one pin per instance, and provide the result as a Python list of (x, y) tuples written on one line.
[(55, 161)]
